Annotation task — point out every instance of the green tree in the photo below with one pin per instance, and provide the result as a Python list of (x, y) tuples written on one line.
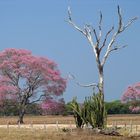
[(116, 107)]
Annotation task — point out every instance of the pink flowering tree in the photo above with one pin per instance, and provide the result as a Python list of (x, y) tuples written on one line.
[(51, 106), (132, 96), (28, 79)]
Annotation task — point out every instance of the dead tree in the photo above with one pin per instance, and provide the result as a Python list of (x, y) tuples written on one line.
[(98, 42)]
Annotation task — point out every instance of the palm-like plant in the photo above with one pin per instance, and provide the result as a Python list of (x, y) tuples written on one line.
[(91, 112)]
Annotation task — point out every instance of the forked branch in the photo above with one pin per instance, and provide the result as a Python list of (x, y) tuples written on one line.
[(120, 29), (98, 44), (88, 31)]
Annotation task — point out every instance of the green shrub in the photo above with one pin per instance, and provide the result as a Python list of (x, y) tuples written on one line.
[(116, 107), (92, 112)]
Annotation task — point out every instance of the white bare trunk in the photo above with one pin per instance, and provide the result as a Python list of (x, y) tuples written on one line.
[(101, 81)]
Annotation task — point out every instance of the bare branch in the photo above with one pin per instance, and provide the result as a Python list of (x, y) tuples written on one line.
[(91, 29), (71, 76), (100, 26), (73, 24), (88, 85), (86, 32), (121, 27), (106, 36), (11, 77), (109, 48), (39, 99), (130, 22), (69, 13), (100, 32), (117, 48), (76, 27), (100, 21), (87, 29), (97, 40)]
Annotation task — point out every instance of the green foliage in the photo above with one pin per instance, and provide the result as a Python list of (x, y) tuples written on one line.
[(91, 112), (10, 108), (34, 109), (96, 113), (116, 107), (68, 109), (78, 113)]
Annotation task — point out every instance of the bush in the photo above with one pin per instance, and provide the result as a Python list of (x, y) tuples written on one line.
[(116, 107), (91, 112)]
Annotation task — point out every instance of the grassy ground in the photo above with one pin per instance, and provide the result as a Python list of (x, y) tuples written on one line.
[(124, 119), (38, 134), (28, 134), (38, 119), (119, 119)]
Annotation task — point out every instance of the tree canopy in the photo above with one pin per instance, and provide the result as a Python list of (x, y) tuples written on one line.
[(27, 78)]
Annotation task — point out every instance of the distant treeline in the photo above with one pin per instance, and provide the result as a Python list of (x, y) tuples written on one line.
[(11, 109), (114, 107)]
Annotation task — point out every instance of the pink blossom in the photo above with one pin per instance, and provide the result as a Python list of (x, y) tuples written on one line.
[(24, 75), (132, 96), (131, 93), (51, 106), (135, 109)]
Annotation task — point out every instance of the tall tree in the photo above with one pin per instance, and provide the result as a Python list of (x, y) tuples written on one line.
[(28, 79), (98, 42)]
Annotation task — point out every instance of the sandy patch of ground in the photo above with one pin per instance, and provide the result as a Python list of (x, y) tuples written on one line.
[(40, 126)]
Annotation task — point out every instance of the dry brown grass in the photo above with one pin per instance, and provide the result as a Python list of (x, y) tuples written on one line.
[(38, 134), (120, 119), (38, 119), (124, 119), (28, 134)]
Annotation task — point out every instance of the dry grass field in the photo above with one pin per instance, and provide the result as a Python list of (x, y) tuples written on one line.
[(124, 119), (119, 119), (27, 134), (38, 119), (23, 133)]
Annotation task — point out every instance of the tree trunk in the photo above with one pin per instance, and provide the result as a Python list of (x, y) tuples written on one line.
[(101, 92), (101, 81), (21, 115)]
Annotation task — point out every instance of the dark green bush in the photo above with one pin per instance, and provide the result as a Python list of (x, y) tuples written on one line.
[(116, 107)]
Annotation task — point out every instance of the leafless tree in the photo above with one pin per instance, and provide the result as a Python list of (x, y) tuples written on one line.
[(98, 42)]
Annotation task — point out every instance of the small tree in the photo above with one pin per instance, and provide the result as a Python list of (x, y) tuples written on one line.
[(28, 79), (132, 97), (98, 44)]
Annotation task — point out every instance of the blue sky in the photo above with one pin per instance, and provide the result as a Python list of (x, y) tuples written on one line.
[(40, 26)]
